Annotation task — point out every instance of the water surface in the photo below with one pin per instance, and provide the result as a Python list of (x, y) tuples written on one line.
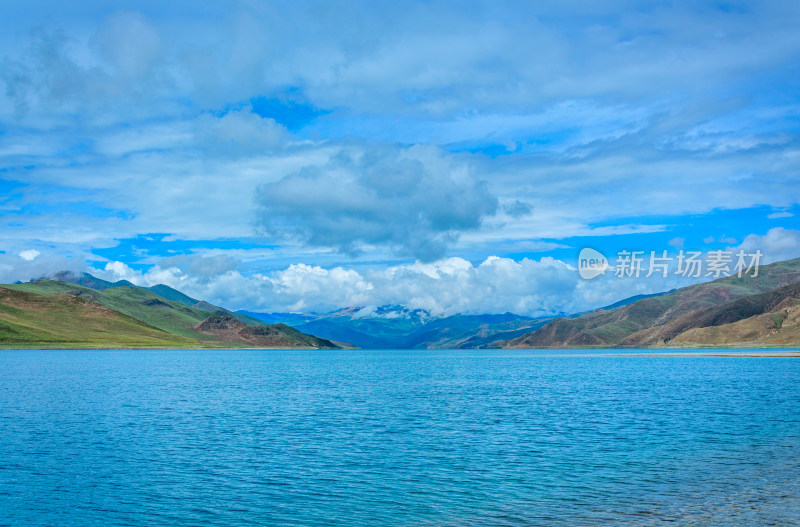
[(397, 438)]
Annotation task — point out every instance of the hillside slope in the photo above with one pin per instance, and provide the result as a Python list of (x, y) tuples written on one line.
[(170, 317), (225, 327), (769, 318), (615, 327), (29, 320), (135, 302), (92, 282)]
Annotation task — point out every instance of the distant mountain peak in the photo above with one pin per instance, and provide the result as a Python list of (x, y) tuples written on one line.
[(388, 311), (86, 280)]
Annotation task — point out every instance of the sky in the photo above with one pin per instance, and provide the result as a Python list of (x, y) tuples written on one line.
[(448, 156)]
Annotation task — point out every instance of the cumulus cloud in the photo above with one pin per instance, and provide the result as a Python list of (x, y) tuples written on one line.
[(443, 287), (777, 244), (29, 254), (415, 200)]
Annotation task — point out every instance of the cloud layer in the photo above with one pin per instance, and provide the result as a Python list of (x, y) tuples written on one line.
[(414, 200), (435, 130), (445, 287)]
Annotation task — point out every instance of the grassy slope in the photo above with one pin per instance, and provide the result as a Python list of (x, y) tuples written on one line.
[(157, 312), (298, 338), (612, 327), (172, 294), (140, 304), (29, 320), (92, 282), (169, 293)]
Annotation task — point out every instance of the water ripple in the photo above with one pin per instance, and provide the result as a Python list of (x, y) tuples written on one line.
[(396, 439)]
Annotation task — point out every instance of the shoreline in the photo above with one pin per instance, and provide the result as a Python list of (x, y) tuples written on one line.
[(791, 354), (600, 352)]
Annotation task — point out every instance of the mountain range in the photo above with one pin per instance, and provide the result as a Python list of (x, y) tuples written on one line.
[(396, 327), (81, 310)]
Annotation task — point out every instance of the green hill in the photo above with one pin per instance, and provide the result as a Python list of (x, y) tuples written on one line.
[(29, 320), (92, 282), (175, 320), (169, 293), (135, 302)]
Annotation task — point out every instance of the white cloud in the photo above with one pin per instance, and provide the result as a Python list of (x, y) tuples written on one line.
[(144, 117), (777, 244), (121, 271), (15, 267), (418, 58), (777, 215), (443, 287), (141, 103), (29, 255)]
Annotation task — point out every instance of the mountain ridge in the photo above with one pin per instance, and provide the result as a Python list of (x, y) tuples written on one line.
[(615, 327), (92, 282), (759, 310), (395, 326)]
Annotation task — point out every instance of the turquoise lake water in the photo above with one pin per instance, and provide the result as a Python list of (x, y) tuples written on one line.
[(397, 438)]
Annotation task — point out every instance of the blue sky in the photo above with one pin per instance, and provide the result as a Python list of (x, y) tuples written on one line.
[(448, 156)]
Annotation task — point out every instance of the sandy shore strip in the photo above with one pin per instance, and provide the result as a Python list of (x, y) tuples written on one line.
[(783, 353)]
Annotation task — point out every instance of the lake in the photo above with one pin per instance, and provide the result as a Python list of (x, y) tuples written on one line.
[(397, 438)]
